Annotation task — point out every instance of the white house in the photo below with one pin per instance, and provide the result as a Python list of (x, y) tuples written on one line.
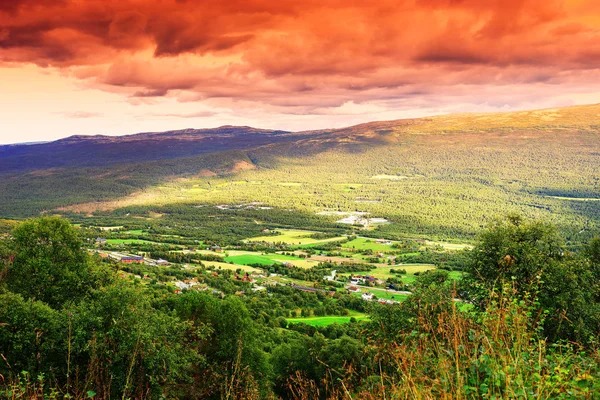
[(367, 296)]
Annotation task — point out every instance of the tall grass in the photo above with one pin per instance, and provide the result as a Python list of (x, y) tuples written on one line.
[(497, 354)]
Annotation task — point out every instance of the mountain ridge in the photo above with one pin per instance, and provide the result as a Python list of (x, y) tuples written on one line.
[(412, 171), (245, 129)]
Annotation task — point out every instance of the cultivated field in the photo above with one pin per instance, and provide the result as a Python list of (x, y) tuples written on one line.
[(328, 320), (293, 237)]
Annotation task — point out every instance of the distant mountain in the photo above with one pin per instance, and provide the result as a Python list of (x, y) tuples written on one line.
[(99, 150), (87, 151), (446, 174)]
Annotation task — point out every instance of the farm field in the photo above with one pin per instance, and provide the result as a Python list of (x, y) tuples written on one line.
[(328, 320), (296, 261), (135, 232), (232, 267), (366, 244), (382, 294), (412, 268), (355, 258), (248, 257), (293, 237), (384, 273), (284, 280)]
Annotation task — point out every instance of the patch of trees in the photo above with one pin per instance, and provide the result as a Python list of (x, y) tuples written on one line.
[(450, 260), (76, 328)]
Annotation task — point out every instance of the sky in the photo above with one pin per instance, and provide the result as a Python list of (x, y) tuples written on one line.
[(118, 67)]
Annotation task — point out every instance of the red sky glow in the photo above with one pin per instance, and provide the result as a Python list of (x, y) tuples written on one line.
[(116, 67)]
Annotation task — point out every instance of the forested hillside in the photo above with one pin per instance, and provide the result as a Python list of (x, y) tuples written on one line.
[(445, 176), (85, 151)]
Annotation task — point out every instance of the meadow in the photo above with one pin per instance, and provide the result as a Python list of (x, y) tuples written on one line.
[(228, 266), (294, 237), (328, 320), (365, 244), (384, 272)]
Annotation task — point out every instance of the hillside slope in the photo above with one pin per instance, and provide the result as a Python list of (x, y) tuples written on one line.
[(445, 175), (86, 151)]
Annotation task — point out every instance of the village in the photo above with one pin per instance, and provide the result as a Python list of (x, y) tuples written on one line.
[(368, 268)]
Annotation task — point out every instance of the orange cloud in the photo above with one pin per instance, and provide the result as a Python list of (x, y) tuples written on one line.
[(310, 56)]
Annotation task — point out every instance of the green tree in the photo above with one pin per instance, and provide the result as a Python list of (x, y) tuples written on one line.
[(529, 256), (513, 249), (436, 277), (592, 252), (32, 337), (230, 341), (127, 346), (49, 263)]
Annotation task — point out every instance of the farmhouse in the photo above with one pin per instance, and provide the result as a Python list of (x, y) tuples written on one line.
[(331, 277), (367, 296), (132, 259), (160, 261), (357, 280), (182, 285), (216, 249), (245, 278), (100, 240), (353, 289)]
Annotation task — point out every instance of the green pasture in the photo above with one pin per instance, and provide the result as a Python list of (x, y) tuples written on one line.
[(232, 267), (366, 244), (383, 294), (249, 259), (293, 237), (384, 273), (330, 319), (135, 232)]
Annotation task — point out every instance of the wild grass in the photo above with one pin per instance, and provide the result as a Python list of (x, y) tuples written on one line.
[(499, 354)]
